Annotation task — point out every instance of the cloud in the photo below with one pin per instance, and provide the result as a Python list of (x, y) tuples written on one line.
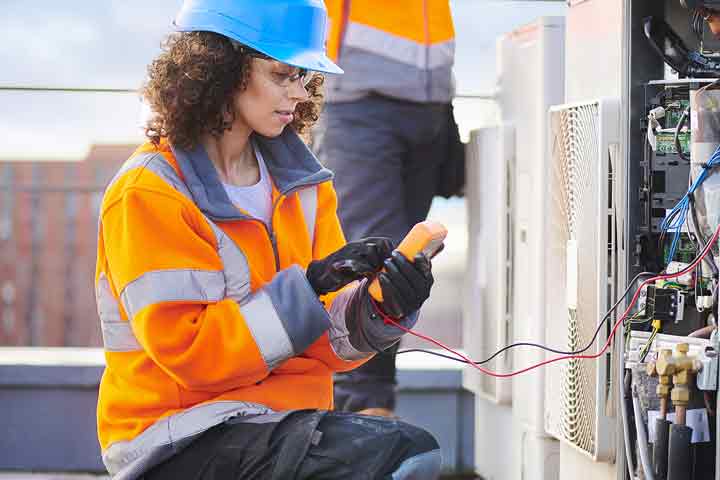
[(82, 43), (52, 125)]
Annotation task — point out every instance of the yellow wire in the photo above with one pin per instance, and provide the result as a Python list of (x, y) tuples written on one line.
[(656, 328)]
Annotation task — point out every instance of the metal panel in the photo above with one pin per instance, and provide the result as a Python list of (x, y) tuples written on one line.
[(531, 52), (581, 266), (594, 50), (531, 79), (487, 319)]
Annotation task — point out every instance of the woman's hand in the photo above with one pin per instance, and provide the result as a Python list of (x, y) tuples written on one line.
[(405, 285), (356, 260)]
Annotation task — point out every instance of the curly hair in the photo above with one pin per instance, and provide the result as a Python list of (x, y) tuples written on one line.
[(191, 84)]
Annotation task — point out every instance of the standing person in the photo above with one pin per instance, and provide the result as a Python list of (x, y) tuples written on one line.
[(226, 292), (386, 132)]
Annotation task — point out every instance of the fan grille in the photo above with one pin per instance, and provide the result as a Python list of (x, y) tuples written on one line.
[(574, 225)]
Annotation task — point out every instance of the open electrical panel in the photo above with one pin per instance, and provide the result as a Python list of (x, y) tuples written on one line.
[(671, 345)]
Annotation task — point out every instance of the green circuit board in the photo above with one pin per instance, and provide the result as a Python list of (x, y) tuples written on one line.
[(666, 143)]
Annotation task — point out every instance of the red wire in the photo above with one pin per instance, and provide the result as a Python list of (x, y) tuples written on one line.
[(566, 357)]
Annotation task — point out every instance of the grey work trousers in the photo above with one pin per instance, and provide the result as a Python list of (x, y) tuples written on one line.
[(385, 154), (304, 445)]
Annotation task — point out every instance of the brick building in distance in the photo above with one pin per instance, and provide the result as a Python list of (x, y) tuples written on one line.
[(48, 240)]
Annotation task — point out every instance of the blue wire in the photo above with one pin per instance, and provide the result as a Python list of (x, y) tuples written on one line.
[(678, 215)]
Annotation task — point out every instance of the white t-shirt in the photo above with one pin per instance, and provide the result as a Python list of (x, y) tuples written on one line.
[(254, 199)]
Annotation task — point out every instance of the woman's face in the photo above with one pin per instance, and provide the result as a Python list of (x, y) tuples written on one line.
[(273, 91)]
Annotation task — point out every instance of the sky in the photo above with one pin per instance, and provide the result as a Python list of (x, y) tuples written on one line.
[(108, 44)]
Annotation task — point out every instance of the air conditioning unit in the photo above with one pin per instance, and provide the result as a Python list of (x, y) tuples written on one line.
[(488, 301), (581, 261)]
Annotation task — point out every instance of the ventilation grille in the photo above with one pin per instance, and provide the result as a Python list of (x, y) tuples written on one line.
[(486, 324), (580, 255)]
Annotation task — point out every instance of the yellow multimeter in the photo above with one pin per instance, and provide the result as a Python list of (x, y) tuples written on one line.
[(426, 237)]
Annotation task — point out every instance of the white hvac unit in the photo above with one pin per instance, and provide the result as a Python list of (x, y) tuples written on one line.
[(488, 302), (581, 270), (531, 80)]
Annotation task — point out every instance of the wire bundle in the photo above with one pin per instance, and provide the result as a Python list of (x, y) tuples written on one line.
[(679, 214), (459, 357)]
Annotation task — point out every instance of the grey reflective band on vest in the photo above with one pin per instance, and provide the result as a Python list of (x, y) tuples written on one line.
[(309, 201), (271, 335), (412, 71), (267, 329), (156, 163), (161, 286), (403, 50), (116, 332), (235, 265), (128, 460)]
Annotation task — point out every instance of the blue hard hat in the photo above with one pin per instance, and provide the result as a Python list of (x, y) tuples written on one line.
[(290, 31)]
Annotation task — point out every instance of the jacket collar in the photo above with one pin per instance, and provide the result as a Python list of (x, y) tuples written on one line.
[(290, 163)]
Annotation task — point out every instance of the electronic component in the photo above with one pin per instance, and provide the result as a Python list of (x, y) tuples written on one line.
[(675, 53), (666, 143), (665, 173), (662, 303), (684, 280)]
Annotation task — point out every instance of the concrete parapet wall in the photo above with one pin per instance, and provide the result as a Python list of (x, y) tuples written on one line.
[(49, 396)]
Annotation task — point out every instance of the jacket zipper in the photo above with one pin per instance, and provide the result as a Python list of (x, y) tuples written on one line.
[(271, 234), (271, 230)]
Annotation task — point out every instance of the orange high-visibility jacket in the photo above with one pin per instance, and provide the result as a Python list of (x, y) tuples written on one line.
[(400, 48), (206, 313)]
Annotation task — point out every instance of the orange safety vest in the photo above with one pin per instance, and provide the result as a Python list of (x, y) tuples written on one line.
[(403, 49), (206, 312)]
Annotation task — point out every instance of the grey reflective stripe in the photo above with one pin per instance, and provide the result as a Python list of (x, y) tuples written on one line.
[(237, 271), (128, 460), (339, 334), (309, 200), (398, 48), (172, 286), (117, 333), (399, 80), (235, 265), (267, 329), (154, 162)]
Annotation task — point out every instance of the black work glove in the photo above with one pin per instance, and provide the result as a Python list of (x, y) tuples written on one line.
[(356, 260), (405, 285)]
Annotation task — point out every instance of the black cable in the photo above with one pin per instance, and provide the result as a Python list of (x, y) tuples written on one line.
[(678, 127), (697, 24), (687, 269), (543, 347)]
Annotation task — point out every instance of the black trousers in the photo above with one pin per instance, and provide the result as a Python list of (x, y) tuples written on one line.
[(307, 444), (386, 155)]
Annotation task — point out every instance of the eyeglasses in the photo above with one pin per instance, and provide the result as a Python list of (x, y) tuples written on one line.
[(281, 79), (285, 80)]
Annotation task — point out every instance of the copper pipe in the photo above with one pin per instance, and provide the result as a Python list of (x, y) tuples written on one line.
[(680, 414), (708, 404)]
